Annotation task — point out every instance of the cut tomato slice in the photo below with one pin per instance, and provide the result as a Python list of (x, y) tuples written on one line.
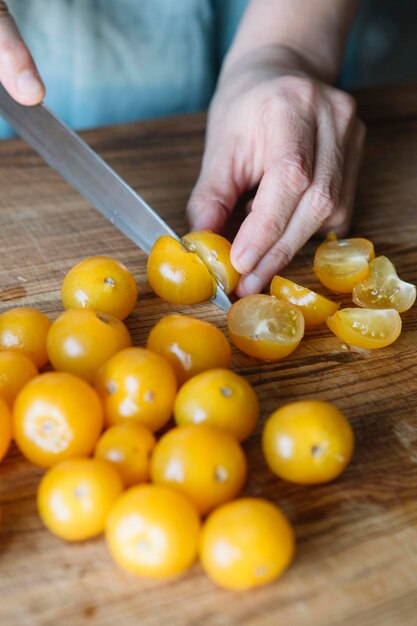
[(214, 251), (265, 327), (366, 328), (340, 264), (315, 308), (383, 288)]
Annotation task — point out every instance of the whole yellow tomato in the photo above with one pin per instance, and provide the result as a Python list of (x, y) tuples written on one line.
[(127, 446), (16, 370), (80, 341), (5, 428), (75, 497), (137, 384), (307, 442), (204, 463), (190, 345), (153, 531), (56, 416), (218, 398), (100, 283), (24, 330), (246, 543)]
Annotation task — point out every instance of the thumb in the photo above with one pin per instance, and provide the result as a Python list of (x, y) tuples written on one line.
[(18, 73), (214, 195)]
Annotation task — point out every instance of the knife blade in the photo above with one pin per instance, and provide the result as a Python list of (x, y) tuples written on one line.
[(91, 176)]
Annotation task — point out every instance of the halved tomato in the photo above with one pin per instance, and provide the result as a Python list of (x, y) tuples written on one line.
[(340, 264), (383, 288), (214, 251), (265, 327), (366, 328), (315, 308)]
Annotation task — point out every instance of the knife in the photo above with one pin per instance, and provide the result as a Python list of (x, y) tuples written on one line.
[(91, 176)]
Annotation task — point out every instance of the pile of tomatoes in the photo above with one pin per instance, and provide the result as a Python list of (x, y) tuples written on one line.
[(99, 423)]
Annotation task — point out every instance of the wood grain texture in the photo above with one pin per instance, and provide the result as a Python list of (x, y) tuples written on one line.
[(356, 562)]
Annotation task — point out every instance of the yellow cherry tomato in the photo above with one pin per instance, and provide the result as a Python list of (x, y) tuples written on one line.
[(24, 330), (16, 370), (315, 308), (137, 384), (307, 442), (265, 327), (203, 462), (366, 328), (246, 543), (5, 428), (214, 251), (100, 283), (383, 289), (177, 275), (56, 416), (340, 264), (153, 531), (75, 497), (218, 398), (190, 345), (80, 341), (127, 446)]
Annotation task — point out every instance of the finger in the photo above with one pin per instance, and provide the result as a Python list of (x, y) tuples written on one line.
[(288, 171), (18, 73), (215, 193), (339, 222), (317, 205)]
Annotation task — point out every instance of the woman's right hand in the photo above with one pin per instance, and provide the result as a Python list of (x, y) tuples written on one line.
[(18, 73)]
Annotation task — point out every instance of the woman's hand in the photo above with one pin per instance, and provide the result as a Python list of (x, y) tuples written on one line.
[(271, 124), (18, 73)]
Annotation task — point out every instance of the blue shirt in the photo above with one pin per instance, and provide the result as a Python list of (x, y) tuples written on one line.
[(110, 61)]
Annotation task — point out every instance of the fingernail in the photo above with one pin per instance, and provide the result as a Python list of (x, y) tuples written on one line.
[(250, 284), (247, 261), (28, 84)]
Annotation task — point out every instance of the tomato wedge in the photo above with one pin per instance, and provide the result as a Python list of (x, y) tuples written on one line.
[(214, 251), (265, 327), (383, 288), (315, 308), (340, 264), (366, 328)]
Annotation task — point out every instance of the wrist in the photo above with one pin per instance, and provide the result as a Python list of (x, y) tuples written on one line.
[(278, 59)]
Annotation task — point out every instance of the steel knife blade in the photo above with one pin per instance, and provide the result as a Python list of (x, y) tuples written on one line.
[(91, 176)]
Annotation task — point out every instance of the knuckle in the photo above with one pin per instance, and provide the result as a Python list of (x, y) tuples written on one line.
[(296, 171), (300, 89), (344, 104), (271, 229), (282, 254), (325, 197)]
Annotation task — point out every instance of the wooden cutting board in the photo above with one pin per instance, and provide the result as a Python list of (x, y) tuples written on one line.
[(356, 562)]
